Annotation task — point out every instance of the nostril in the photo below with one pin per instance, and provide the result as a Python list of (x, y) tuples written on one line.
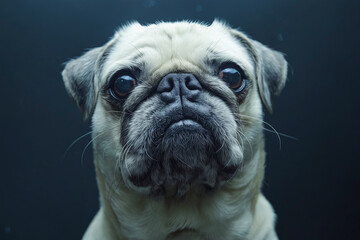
[(192, 84), (166, 86), (170, 85), (179, 86)]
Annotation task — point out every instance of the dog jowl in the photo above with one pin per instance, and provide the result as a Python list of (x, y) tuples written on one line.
[(177, 131)]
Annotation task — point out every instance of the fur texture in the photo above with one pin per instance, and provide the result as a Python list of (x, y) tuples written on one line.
[(182, 157)]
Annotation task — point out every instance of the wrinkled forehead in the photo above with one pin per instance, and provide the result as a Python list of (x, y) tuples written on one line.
[(173, 47)]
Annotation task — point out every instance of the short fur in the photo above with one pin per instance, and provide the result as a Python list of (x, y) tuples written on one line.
[(202, 182)]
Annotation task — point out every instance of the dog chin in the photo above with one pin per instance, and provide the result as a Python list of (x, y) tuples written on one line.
[(186, 158)]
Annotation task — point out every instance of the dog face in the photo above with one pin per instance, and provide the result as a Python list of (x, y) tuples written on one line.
[(176, 106)]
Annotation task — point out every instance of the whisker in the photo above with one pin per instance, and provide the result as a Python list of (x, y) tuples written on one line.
[(87, 145), (276, 132), (273, 130), (74, 142), (222, 145), (125, 150), (125, 163), (184, 163), (148, 155), (92, 140), (137, 49), (247, 139), (282, 134)]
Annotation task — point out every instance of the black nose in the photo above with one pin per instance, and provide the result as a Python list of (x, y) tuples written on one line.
[(178, 86)]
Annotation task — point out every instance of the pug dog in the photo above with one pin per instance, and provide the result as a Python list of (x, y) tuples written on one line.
[(177, 131)]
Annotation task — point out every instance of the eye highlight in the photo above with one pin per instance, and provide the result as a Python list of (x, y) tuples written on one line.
[(233, 78), (121, 86)]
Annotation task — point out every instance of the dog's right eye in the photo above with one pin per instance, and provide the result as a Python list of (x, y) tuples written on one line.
[(121, 86)]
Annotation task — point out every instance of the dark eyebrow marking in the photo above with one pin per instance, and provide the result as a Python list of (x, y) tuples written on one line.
[(137, 56)]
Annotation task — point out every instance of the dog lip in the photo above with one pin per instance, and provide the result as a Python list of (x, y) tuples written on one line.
[(184, 124)]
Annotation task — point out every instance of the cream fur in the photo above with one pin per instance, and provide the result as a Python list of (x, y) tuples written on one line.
[(237, 210)]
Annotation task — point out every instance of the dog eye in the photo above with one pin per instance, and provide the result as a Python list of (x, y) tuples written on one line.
[(121, 86), (233, 79)]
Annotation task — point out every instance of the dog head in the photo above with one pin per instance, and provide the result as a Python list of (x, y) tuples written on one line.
[(175, 106)]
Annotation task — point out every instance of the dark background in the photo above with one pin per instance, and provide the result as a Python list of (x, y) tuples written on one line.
[(313, 183)]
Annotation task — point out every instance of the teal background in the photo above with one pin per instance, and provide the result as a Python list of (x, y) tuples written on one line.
[(313, 183)]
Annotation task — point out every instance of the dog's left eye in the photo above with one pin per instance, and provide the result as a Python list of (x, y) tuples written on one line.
[(233, 79), (121, 86)]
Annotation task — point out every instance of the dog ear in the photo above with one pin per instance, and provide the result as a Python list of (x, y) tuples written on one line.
[(271, 72), (78, 77), (271, 67)]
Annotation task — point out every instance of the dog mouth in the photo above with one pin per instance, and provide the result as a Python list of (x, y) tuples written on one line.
[(183, 157), (183, 125)]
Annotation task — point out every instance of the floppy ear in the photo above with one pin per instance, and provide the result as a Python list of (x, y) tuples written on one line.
[(271, 67), (78, 77), (271, 72)]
